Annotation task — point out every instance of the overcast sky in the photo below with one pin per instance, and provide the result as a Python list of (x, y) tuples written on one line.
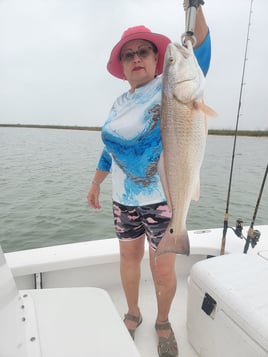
[(53, 56)]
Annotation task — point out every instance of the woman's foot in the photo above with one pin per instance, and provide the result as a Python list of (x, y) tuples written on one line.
[(132, 322), (167, 344)]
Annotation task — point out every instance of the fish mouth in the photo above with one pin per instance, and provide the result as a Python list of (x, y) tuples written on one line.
[(186, 80)]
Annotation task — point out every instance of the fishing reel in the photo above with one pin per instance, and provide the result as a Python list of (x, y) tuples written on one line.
[(252, 239), (253, 235), (239, 228), (256, 237)]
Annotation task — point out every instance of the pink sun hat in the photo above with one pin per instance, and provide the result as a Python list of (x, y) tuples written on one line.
[(137, 33)]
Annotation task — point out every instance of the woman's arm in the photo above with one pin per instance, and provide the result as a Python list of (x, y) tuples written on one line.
[(201, 28)]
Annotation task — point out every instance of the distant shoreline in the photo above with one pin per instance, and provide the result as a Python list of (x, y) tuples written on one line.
[(98, 128)]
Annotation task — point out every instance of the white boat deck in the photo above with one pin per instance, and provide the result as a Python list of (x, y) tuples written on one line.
[(146, 338)]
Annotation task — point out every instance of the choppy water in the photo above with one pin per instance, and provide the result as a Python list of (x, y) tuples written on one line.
[(45, 174)]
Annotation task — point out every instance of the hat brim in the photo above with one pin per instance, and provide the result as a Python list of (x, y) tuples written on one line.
[(114, 65)]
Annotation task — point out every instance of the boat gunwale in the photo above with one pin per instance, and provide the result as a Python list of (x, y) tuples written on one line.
[(89, 253)]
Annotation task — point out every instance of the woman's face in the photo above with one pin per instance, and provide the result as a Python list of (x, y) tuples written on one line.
[(139, 62)]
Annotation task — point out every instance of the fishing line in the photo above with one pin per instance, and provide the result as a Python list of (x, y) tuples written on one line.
[(226, 216)]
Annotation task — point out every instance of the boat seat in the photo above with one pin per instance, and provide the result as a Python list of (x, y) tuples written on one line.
[(59, 322)]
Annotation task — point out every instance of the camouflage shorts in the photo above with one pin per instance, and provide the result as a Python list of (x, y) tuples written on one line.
[(132, 222)]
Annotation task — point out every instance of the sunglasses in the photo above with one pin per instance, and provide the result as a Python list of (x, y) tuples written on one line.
[(142, 52)]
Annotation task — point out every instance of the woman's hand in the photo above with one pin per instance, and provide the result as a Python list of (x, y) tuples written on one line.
[(93, 195)]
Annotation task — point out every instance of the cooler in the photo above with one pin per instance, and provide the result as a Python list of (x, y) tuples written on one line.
[(227, 311)]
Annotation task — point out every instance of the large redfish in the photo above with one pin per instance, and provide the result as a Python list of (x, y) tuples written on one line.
[(184, 132)]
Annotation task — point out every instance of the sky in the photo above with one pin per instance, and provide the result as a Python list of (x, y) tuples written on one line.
[(53, 56)]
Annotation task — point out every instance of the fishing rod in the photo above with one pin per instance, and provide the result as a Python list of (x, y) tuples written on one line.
[(226, 216), (254, 235)]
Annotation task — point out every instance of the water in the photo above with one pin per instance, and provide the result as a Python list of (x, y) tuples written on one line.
[(45, 175)]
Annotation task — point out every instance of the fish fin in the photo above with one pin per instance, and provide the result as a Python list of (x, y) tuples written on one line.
[(163, 179), (172, 243), (205, 109)]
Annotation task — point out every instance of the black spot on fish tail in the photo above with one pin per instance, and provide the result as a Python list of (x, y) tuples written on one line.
[(171, 243)]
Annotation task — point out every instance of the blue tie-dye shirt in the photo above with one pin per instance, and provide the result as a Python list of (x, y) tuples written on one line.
[(131, 135)]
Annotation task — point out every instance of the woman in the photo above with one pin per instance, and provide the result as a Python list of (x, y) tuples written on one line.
[(131, 135)]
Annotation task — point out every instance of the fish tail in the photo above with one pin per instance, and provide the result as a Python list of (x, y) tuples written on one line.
[(172, 243)]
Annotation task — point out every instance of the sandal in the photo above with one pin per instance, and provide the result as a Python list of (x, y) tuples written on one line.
[(137, 319), (167, 347)]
